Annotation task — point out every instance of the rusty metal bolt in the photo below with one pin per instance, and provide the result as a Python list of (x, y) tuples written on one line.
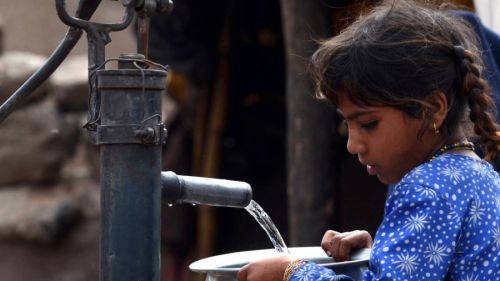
[(164, 6), (146, 134)]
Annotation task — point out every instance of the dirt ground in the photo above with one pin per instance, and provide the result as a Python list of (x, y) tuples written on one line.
[(33, 26)]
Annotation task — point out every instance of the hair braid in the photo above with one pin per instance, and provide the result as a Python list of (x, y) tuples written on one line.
[(480, 103)]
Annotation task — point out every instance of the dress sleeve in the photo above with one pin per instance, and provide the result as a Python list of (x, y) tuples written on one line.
[(417, 238), (314, 272)]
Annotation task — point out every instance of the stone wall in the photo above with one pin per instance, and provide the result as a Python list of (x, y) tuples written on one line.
[(49, 176), (49, 191)]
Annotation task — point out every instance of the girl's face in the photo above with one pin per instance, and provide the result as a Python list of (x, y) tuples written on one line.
[(385, 140)]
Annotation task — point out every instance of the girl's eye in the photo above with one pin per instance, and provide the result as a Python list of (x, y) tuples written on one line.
[(369, 125)]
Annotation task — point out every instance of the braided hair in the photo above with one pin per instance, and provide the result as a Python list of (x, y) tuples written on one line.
[(475, 88), (400, 55)]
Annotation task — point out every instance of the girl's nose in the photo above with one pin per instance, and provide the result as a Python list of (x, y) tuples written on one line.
[(355, 145)]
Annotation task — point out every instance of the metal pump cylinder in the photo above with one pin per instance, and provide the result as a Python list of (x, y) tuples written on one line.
[(130, 136), (204, 191)]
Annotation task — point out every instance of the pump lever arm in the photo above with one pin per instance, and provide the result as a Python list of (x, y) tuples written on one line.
[(88, 25), (85, 10), (98, 37)]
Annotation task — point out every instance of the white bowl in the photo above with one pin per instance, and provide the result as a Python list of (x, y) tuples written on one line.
[(225, 267)]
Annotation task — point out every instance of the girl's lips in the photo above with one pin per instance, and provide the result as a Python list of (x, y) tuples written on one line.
[(372, 170)]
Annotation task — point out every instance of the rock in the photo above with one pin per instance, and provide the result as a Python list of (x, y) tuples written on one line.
[(50, 233), (32, 148), (15, 69), (71, 129), (69, 84), (82, 165), (36, 214), (47, 215), (76, 258)]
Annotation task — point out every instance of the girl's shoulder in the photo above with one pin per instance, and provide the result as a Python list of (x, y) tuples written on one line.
[(455, 177), (452, 176), (453, 169), (460, 182)]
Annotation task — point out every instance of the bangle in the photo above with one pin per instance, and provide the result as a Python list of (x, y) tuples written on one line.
[(292, 267)]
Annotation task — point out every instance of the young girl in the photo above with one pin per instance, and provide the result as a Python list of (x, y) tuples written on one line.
[(407, 80)]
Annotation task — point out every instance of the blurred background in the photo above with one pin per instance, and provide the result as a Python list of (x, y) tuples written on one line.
[(49, 188), (238, 106)]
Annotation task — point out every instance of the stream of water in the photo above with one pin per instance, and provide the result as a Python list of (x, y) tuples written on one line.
[(267, 224)]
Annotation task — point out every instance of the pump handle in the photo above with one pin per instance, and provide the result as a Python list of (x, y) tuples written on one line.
[(86, 9)]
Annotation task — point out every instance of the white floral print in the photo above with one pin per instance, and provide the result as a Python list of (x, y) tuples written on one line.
[(476, 211), (427, 192), (416, 222), (452, 172), (470, 278), (406, 262), (496, 236), (435, 253)]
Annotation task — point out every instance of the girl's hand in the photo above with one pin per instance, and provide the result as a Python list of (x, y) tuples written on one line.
[(270, 269), (339, 245)]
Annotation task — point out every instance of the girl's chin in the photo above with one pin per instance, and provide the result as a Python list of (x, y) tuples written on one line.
[(381, 175), (382, 180), (386, 180)]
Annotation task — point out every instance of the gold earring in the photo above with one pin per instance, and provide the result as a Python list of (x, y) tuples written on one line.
[(436, 129)]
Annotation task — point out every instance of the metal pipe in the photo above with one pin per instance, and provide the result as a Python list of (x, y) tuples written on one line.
[(204, 191), (130, 137)]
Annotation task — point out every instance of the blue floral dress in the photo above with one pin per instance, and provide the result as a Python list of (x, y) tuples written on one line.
[(442, 222)]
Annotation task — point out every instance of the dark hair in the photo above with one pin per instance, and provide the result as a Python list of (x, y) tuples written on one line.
[(402, 53)]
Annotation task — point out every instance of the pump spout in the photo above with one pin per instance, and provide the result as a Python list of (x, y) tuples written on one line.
[(204, 191)]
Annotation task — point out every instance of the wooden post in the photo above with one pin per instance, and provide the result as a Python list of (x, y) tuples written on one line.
[(311, 126)]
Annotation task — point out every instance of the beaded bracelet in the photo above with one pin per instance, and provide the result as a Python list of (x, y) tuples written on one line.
[(292, 267)]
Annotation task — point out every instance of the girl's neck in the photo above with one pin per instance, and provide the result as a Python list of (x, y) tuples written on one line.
[(467, 152), (457, 144)]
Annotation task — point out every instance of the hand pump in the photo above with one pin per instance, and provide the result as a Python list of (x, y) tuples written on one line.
[(125, 121)]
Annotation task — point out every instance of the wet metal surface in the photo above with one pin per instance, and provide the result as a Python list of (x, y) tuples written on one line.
[(130, 173)]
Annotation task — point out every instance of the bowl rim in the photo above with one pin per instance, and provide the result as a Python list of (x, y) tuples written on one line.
[(232, 262)]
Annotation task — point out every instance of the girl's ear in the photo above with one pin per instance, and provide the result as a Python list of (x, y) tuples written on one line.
[(440, 103)]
